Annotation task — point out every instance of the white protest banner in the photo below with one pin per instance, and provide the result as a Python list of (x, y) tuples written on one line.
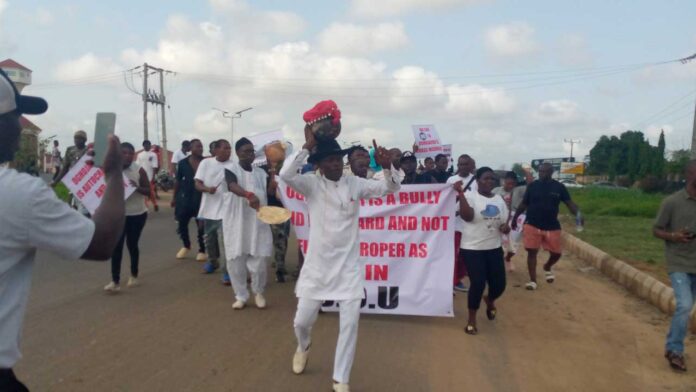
[(260, 140), (447, 150), (406, 249), (86, 183), (428, 141)]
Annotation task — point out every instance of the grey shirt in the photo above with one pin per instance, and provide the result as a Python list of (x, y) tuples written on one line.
[(677, 212)]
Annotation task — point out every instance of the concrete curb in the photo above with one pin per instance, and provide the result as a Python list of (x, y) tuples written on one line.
[(637, 282)]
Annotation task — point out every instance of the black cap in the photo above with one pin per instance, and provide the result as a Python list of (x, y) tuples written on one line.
[(12, 101)]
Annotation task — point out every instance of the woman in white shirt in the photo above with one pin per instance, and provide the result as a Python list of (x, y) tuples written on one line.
[(485, 221), (136, 216)]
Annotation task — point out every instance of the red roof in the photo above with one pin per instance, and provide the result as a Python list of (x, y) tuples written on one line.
[(9, 63), (26, 124)]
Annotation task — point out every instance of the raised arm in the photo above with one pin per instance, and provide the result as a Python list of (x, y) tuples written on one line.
[(371, 188), (111, 214)]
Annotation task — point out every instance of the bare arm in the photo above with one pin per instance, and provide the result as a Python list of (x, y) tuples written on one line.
[(143, 186), (200, 187), (111, 213), (235, 188), (572, 207), (465, 210)]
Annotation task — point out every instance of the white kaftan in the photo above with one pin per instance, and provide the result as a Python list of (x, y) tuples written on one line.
[(331, 270), (244, 234)]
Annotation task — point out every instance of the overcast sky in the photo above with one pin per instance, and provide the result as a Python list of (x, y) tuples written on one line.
[(505, 81)]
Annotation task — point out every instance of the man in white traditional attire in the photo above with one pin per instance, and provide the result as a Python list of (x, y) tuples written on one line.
[(331, 269), (248, 241)]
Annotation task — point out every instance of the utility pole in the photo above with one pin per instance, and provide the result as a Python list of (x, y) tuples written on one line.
[(156, 99), (165, 152), (693, 136), (145, 72), (572, 142), (686, 60)]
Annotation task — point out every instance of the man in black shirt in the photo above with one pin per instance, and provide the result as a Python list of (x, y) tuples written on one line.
[(281, 232), (542, 228), (440, 173), (408, 165)]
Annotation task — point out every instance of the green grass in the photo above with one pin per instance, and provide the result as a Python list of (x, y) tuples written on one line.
[(620, 223), (62, 192)]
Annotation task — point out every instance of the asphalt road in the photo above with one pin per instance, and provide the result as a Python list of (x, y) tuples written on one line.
[(178, 332)]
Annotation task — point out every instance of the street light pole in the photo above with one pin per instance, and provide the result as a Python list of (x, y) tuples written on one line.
[(232, 116)]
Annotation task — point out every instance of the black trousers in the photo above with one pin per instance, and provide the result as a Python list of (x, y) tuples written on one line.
[(183, 231), (9, 383), (131, 236), (484, 267)]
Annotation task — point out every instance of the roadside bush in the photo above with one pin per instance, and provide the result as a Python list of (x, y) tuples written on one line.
[(623, 181), (617, 202)]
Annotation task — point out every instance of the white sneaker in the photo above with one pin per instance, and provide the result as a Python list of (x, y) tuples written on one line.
[(201, 257), (182, 253), (260, 301), (341, 387), (112, 287), (238, 305), (132, 282), (299, 361), (531, 286)]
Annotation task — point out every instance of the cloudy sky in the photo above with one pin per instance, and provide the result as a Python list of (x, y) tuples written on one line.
[(505, 81)]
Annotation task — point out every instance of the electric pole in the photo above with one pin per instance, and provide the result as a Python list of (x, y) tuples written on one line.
[(686, 60), (145, 72), (572, 142), (693, 136), (155, 98)]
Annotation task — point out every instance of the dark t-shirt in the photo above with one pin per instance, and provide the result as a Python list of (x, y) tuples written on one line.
[(542, 199), (423, 178), (440, 177), (188, 199), (272, 199)]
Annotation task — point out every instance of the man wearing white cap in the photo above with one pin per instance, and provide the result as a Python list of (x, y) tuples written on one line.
[(32, 217)]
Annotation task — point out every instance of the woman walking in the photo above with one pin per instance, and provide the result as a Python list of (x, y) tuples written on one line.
[(136, 215), (187, 201), (485, 218)]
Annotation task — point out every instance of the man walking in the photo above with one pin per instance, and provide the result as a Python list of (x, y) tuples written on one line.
[(56, 159), (180, 155), (210, 180), (72, 155), (187, 201), (331, 269), (248, 241), (32, 217), (676, 225), (542, 229), (466, 169), (147, 159)]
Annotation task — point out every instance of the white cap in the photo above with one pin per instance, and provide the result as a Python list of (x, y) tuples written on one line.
[(11, 100)]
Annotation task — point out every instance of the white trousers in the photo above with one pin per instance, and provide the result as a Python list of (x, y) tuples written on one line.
[(237, 268), (307, 311)]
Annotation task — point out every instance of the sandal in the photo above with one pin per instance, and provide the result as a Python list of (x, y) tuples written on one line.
[(549, 276), (491, 311), (676, 361), (470, 329), (530, 286)]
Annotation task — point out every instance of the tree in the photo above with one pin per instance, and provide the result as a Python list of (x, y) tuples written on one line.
[(629, 155)]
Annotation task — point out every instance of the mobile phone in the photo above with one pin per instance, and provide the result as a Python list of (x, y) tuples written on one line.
[(105, 125)]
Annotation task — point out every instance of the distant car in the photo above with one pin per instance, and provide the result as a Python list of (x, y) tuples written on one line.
[(571, 184)]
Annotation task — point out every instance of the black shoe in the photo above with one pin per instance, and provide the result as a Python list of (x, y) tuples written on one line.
[(280, 277)]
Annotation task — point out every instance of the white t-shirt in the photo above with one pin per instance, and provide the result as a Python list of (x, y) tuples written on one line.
[(148, 161), (397, 175), (212, 173), (179, 155), (31, 218), (459, 222), (483, 232)]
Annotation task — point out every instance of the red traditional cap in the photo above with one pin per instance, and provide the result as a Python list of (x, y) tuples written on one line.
[(322, 110)]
